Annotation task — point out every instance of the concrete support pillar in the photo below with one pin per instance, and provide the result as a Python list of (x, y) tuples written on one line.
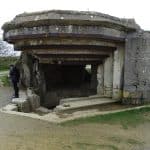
[(108, 76), (100, 79), (94, 77), (118, 72), (41, 84)]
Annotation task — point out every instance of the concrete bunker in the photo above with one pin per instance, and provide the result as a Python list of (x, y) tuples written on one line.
[(60, 76), (58, 46), (74, 78)]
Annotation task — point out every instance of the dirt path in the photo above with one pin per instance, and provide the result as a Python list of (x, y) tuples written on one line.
[(5, 95), (21, 133)]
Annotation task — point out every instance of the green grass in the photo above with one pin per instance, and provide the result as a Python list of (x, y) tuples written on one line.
[(6, 61), (128, 118), (5, 80)]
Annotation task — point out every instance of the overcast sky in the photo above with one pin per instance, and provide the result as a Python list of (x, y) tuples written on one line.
[(138, 9)]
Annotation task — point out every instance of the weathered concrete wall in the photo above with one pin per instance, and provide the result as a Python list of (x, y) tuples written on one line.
[(137, 67), (94, 78), (100, 79), (118, 71), (108, 76), (31, 75), (25, 67), (54, 30)]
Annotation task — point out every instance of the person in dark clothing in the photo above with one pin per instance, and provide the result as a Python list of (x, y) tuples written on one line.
[(14, 76)]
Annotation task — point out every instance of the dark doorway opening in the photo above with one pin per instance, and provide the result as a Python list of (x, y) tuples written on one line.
[(67, 81)]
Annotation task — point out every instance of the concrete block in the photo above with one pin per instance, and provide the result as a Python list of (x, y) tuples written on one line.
[(23, 104), (34, 101)]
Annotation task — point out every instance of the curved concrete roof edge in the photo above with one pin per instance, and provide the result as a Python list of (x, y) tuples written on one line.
[(69, 15), (73, 12)]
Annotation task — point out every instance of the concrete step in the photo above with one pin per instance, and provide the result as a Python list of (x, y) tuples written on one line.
[(83, 103), (65, 100)]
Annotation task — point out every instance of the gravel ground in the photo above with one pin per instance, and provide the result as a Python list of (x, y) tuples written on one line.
[(22, 133), (5, 95)]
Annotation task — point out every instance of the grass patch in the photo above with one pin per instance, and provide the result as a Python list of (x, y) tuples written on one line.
[(130, 141), (6, 61), (134, 142), (128, 118), (5, 80)]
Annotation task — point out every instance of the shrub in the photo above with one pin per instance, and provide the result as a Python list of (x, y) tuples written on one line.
[(6, 61)]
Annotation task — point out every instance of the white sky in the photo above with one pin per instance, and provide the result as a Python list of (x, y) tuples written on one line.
[(138, 9)]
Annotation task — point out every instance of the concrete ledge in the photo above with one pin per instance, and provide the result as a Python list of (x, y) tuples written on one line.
[(83, 103), (69, 17), (54, 118), (65, 100)]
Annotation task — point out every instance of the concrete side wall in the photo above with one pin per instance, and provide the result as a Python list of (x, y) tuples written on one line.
[(100, 79), (94, 77), (118, 67), (137, 68), (108, 76)]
